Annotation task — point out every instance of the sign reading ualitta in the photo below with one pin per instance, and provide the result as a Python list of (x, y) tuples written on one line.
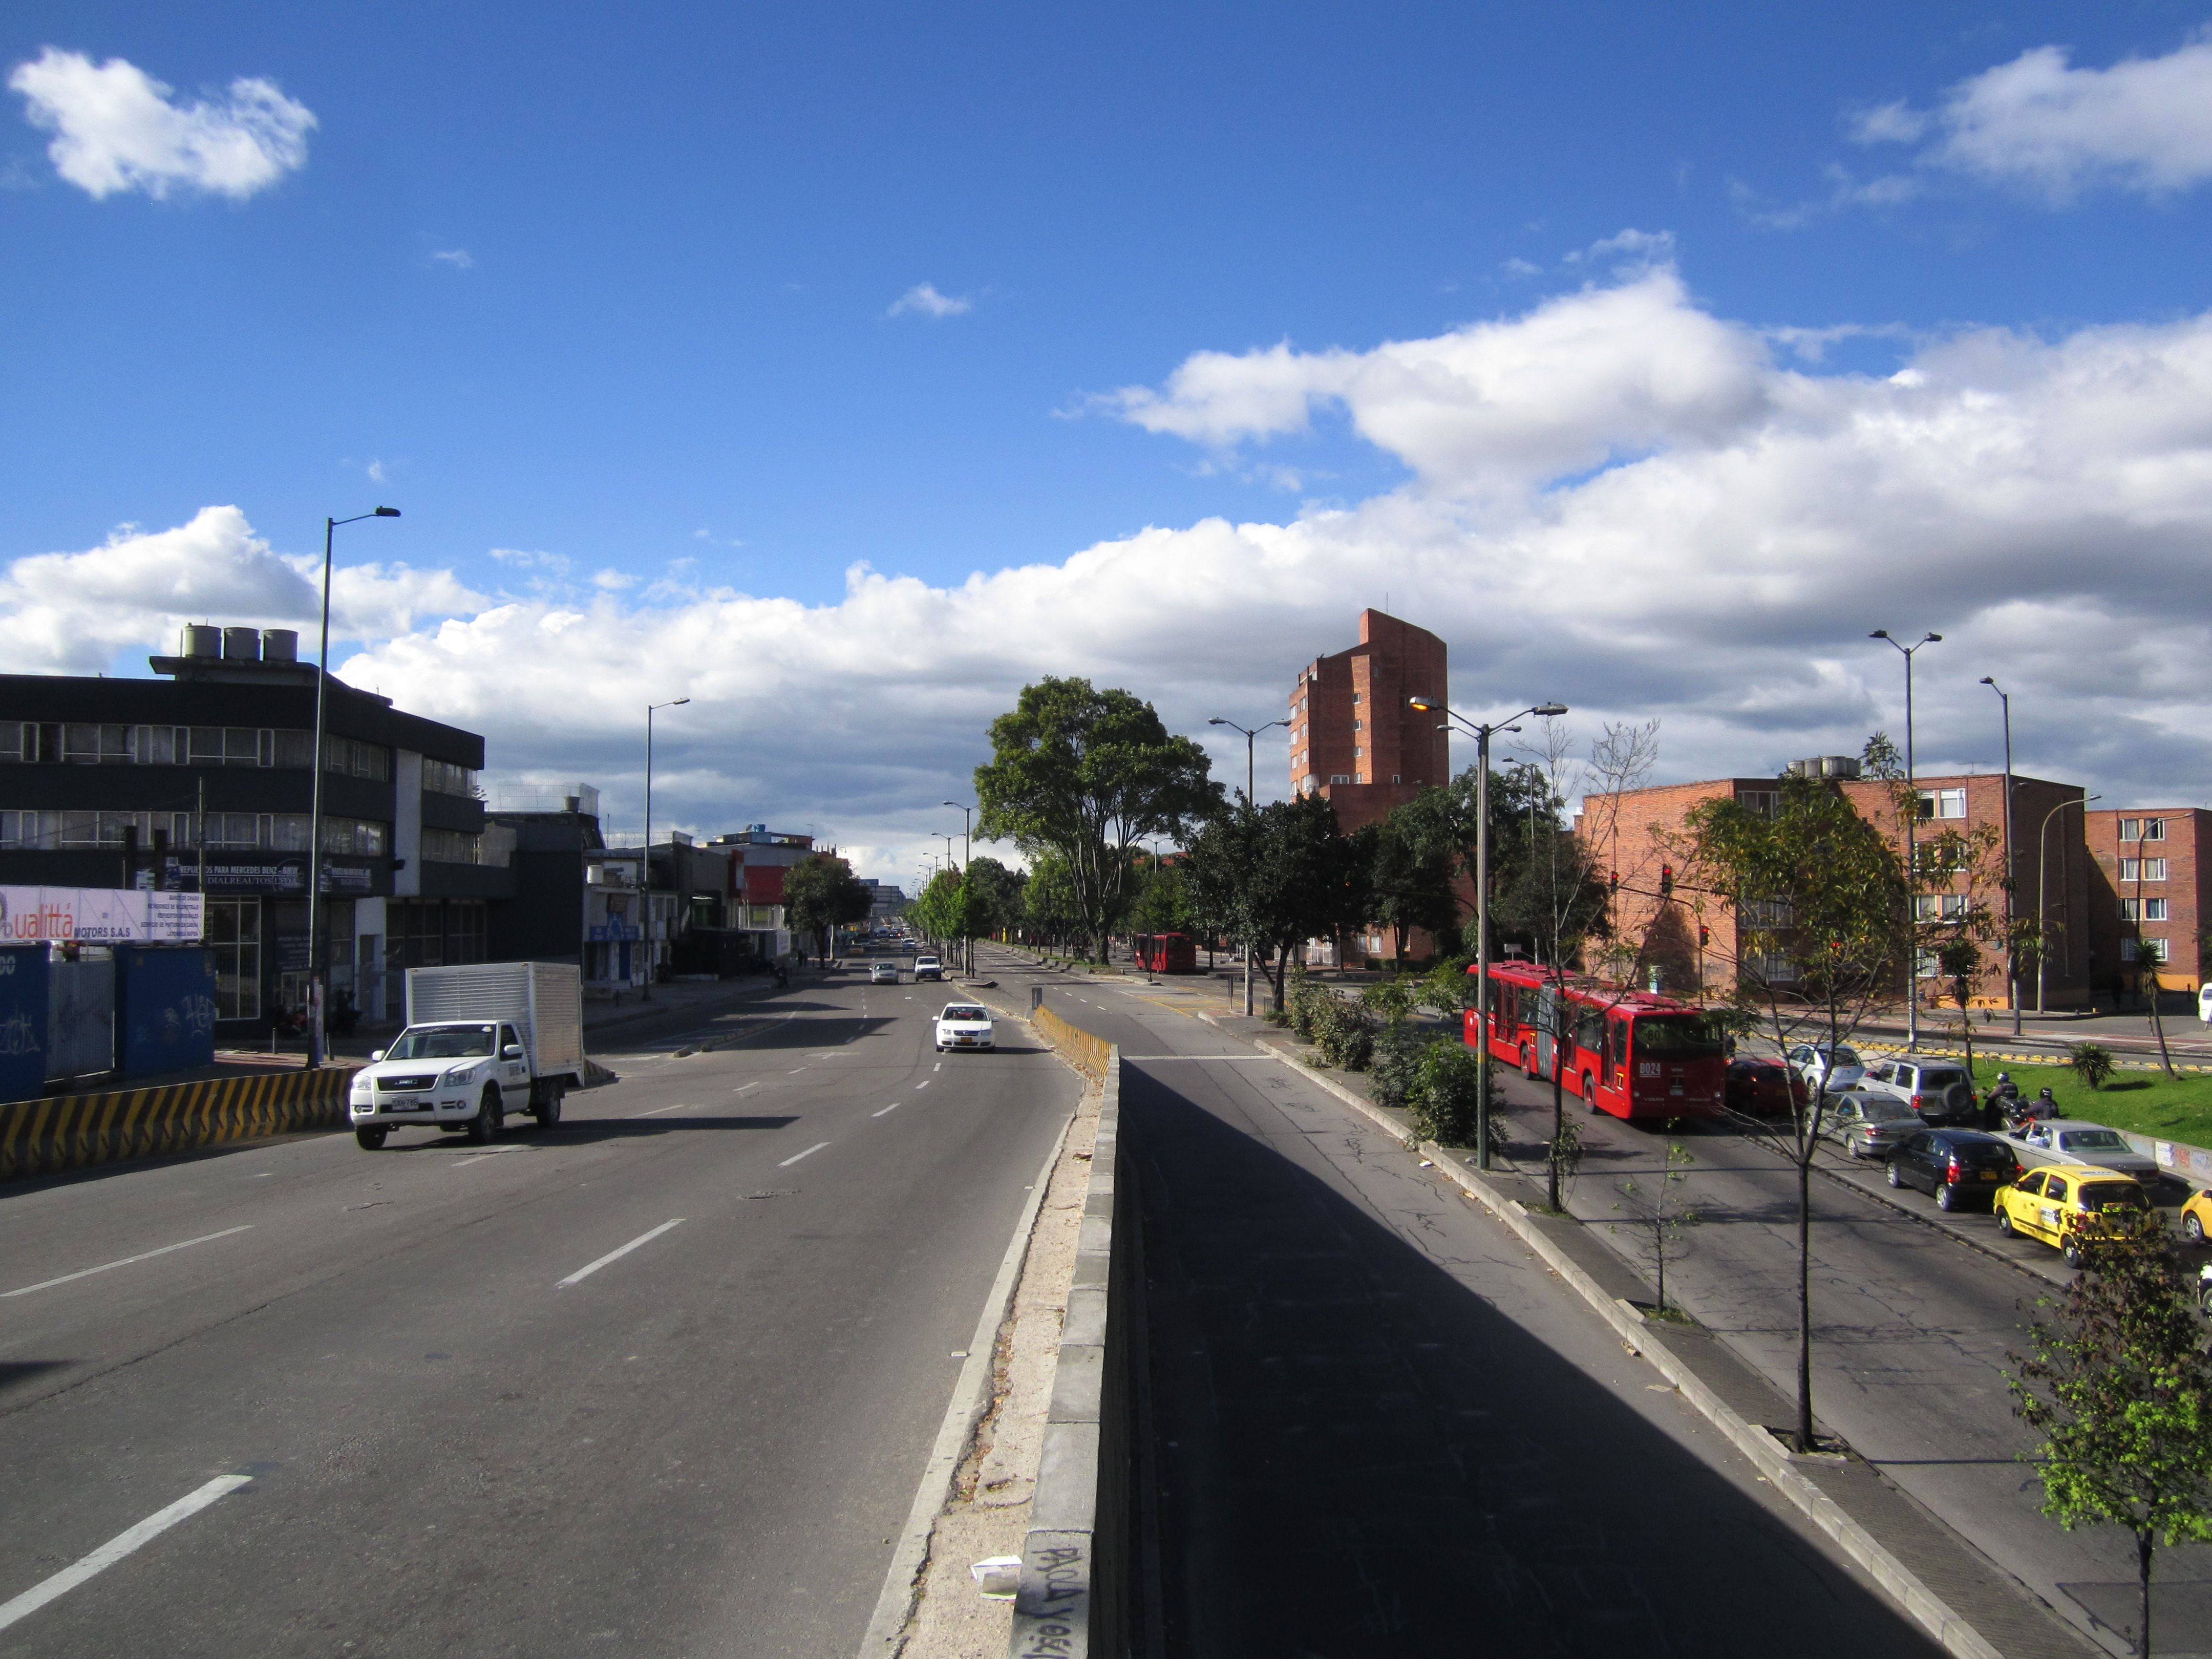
[(99, 915)]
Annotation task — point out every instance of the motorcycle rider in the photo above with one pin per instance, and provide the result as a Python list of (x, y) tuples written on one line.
[(1998, 1105)]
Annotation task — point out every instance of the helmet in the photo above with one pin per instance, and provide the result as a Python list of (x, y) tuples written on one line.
[(2004, 1077), (2046, 1095)]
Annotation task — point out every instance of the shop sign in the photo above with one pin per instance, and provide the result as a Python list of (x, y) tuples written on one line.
[(98, 916)]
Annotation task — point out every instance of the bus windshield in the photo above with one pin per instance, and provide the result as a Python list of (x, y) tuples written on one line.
[(1675, 1036), (442, 1043)]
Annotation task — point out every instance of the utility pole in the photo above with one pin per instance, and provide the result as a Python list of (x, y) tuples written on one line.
[(2012, 950)]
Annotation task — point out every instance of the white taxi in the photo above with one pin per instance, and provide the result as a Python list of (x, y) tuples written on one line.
[(964, 1025)]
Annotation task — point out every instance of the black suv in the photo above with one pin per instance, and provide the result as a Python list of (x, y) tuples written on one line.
[(1955, 1164)]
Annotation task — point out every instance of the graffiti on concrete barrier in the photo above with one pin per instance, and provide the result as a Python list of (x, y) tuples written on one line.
[(17, 1034)]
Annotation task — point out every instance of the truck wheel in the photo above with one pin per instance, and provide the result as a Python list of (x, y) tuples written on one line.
[(548, 1111), (370, 1140), (491, 1116)]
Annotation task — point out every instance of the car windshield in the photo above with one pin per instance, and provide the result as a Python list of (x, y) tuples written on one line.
[(1878, 1108), (2093, 1140), (1979, 1151), (1843, 1056), (1675, 1036), (960, 1013), (2113, 1195), (443, 1042), (1936, 1080)]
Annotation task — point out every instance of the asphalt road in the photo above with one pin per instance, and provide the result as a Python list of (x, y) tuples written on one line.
[(1912, 1331), (1377, 1426), (661, 1384)]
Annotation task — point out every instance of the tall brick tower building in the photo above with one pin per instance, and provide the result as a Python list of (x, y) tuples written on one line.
[(1353, 738)]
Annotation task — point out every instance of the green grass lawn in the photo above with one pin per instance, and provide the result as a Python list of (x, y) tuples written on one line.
[(2149, 1103)]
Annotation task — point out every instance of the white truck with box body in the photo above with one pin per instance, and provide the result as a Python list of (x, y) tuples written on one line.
[(482, 1040)]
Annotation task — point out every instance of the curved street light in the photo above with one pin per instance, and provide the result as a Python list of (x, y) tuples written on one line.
[(967, 830), (1251, 733), (2042, 881), (644, 994), (2012, 945), (1483, 731), (1911, 826), (317, 967)]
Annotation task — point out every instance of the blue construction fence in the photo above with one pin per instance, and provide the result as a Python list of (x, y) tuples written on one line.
[(126, 1010)]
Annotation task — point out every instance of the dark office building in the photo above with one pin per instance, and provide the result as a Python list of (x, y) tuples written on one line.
[(202, 780)]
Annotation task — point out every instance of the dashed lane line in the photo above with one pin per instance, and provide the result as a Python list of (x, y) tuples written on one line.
[(590, 1267), (143, 1256), (118, 1546), (809, 1153), (887, 1110)]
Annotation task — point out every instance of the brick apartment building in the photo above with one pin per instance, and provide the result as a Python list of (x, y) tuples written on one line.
[(2146, 905), (1690, 938), (1354, 739)]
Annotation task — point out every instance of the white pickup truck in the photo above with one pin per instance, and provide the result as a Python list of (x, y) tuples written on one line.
[(482, 1040)]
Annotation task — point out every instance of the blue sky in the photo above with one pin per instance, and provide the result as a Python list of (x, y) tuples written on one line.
[(621, 292)]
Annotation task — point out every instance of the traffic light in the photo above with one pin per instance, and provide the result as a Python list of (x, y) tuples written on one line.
[(1705, 936), (1666, 881), (1613, 885)]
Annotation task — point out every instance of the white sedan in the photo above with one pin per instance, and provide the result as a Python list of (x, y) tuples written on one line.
[(964, 1025)]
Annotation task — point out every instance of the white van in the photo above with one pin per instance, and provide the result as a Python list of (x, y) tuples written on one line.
[(2204, 1002)]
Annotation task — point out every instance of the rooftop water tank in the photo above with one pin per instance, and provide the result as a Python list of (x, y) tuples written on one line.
[(201, 640), (241, 644), (280, 645)]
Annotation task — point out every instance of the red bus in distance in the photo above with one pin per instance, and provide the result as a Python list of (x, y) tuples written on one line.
[(1166, 953), (1635, 1054)]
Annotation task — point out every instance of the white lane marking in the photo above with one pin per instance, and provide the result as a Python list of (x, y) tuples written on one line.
[(809, 1153), (681, 1106), (938, 1066), (144, 1255), (742, 1090), (590, 1267), (118, 1546), (794, 1071), (924, 1083), (887, 1110)]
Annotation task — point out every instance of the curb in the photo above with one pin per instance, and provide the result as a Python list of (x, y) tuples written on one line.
[(971, 1398), (1925, 1606)]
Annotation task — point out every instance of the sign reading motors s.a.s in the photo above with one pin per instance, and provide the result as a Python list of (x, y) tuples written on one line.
[(99, 915)]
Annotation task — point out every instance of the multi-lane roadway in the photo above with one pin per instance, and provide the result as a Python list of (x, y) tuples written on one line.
[(661, 1382)]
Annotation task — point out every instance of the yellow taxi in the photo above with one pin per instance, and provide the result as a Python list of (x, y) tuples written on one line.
[(2196, 1216), (2063, 1204)]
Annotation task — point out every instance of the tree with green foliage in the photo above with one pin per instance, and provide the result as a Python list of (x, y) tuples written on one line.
[(1163, 902), (1658, 1213), (1084, 775), (2119, 1384), (1411, 873), (821, 894), (1049, 910), (1273, 877), (1821, 904)]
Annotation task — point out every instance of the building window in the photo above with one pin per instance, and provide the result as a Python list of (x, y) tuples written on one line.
[(1355, 725), (1761, 803), (234, 933), (2142, 869), (2149, 950), (433, 933), (2147, 909), (2143, 828), (1339, 777), (359, 838), (1942, 803), (1769, 913), (444, 778), (352, 758), (1940, 906), (451, 846)]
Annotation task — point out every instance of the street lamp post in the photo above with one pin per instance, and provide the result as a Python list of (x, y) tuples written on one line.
[(316, 965), (2042, 881), (1482, 736), (967, 857), (1912, 827), (646, 870), (2012, 948), (1250, 734)]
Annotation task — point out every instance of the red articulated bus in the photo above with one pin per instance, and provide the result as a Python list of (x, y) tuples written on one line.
[(1635, 1053), (1167, 953)]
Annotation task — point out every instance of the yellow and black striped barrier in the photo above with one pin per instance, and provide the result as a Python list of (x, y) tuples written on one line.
[(71, 1131), (1087, 1052)]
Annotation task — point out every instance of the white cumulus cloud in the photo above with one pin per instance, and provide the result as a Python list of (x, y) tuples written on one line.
[(116, 128), (923, 299), (2040, 123), (1615, 497)]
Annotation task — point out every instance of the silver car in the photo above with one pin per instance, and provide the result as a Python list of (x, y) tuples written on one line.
[(2073, 1141), (1938, 1089), (1840, 1061), (1868, 1126)]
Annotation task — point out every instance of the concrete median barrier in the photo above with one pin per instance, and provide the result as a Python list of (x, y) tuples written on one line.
[(74, 1131)]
